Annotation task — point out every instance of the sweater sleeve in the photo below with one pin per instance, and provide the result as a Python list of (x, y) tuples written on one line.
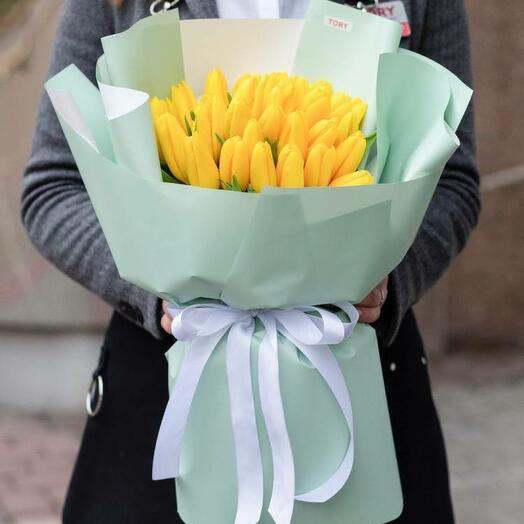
[(454, 210), (56, 210)]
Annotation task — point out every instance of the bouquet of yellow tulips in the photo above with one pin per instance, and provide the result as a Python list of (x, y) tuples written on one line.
[(271, 130), (275, 400)]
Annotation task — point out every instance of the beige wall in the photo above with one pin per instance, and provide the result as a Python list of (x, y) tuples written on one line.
[(487, 300)]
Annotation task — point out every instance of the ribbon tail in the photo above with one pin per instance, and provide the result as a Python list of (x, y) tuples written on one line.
[(283, 494), (244, 424), (166, 459), (326, 364)]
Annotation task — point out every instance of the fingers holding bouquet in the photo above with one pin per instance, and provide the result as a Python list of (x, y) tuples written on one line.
[(369, 309)]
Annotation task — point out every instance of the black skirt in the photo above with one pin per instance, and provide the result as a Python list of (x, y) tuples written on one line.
[(111, 482)]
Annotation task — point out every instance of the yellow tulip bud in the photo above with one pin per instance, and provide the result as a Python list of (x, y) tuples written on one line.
[(210, 122), (299, 87), (226, 158), (349, 154), (358, 178), (295, 131), (317, 110), (341, 110), (262, 172), (271, 122), (272, 81), (324, 134), (345, 127), (158, 108), (203, 121), (276, 97), (201, 168), (318, 90), (359, 111), (258, 100), (188, 94), (288, 89), (237, 116), (240, 81), (182, 103), (171, 136), (252, 135), (282, 159), (319, 166), (290, 168), (216, 84), (339, 98), (245, 88), (315, 131), (234, 162)]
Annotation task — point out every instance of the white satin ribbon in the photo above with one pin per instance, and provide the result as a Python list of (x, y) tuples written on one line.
[(312, 330)]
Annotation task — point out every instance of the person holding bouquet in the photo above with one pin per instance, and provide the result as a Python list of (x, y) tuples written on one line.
[(112, 481)]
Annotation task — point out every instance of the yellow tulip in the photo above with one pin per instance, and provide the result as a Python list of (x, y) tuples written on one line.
[(287, 87), (216, 84), (338, 99), (319, 166), (262, 172), (341, 110), (245, 88), (201, 168), (258, 99), (315, 131), (345, 127), (182, 103), (324, 132), (275, 97), (226, 158), (359, 111), (295, 131), (271, 122), (349, 154), (188, 94), (234, 162), (290, 167), (252, 135), (171, 136), (318, 110), (237, 116), (282, 159), (203, 121), (300, 88), (158, 108), (272, 81), (210, 121), (358, 178), (317, 90)]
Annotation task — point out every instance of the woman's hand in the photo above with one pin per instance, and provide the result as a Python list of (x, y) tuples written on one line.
[(166, 319), (369, 309)]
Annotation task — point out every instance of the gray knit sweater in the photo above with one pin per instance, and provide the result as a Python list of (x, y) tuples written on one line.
[(61, 222)]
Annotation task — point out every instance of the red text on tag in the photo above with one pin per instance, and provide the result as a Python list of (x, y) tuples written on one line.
[(394, 11)]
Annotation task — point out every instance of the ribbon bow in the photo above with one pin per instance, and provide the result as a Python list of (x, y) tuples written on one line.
[(311, 330)]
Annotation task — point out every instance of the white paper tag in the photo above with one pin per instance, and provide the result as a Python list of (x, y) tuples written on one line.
[(394, 11), (338, 23)]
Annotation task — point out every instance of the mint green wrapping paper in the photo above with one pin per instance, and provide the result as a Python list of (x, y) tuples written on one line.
[(277, 249), (318, 437)]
